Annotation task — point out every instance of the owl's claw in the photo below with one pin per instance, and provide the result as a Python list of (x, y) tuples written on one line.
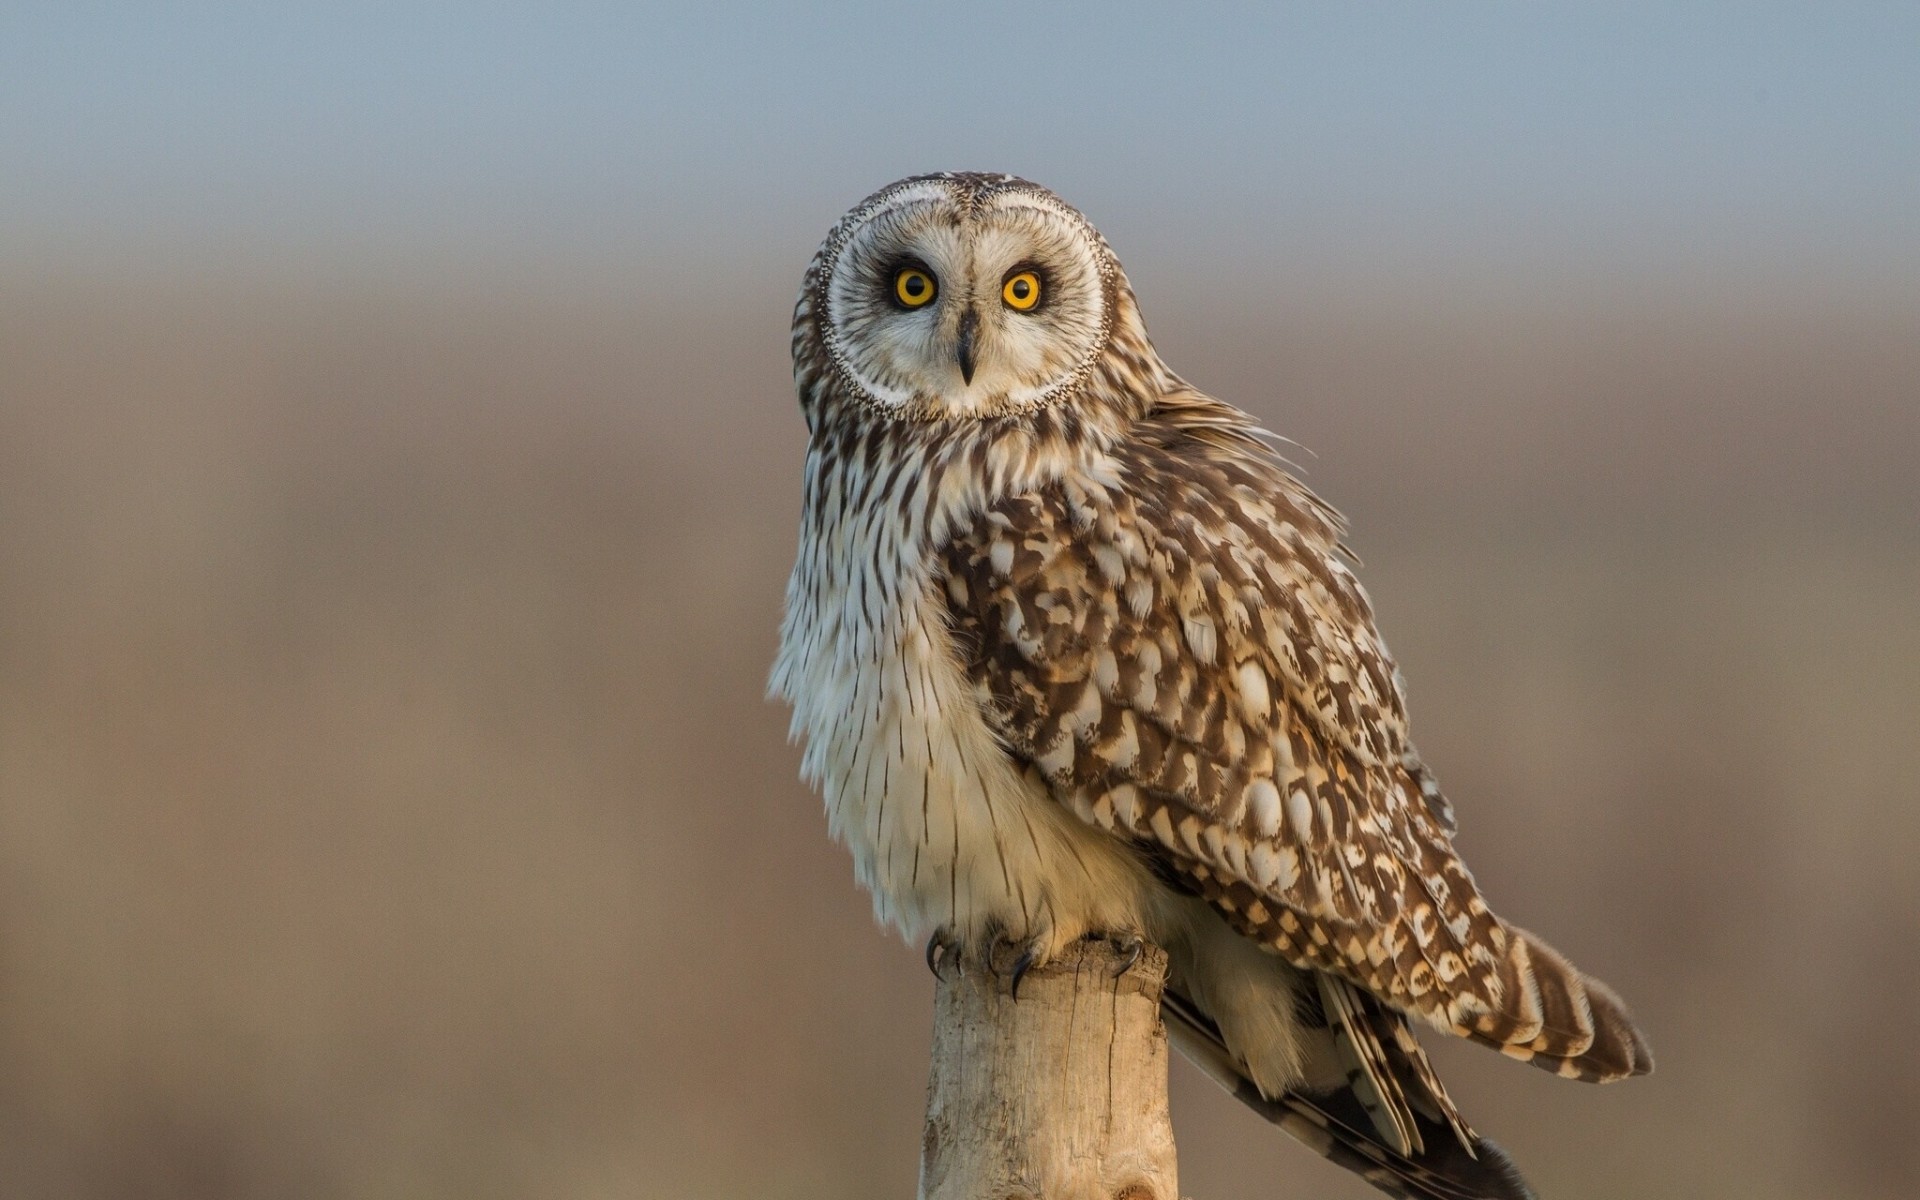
[(1021, 966), (1132, 947), (1023, 962), (941, 948)]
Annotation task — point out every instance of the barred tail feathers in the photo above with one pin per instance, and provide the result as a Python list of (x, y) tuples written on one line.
[(1560, 1019)]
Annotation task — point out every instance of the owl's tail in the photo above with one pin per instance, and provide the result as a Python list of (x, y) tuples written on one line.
[(1339, 1126), (1559, 1019)]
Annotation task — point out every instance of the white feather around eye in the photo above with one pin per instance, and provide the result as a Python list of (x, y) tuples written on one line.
[(908, 361)]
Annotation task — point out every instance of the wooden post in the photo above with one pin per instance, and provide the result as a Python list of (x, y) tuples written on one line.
[(1059, 1095)]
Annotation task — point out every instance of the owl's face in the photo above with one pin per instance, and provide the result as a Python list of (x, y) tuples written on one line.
[(958, 296)]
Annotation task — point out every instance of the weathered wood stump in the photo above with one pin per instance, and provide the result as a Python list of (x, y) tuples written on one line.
[(1059, 1095)]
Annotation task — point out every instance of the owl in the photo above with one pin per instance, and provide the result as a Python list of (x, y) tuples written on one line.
[(1073, 655)]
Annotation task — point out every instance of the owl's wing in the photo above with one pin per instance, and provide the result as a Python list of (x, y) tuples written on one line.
[(1174, 641)]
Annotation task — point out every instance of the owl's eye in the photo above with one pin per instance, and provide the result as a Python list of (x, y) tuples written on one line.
[(913, 287), (1021, 291)]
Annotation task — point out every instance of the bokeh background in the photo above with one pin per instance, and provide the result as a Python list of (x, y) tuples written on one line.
[(399, 474)]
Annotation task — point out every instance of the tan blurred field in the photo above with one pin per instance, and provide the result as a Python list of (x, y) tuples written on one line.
[(388, 806)]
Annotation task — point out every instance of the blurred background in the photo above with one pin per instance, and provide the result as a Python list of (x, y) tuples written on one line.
[(399, 473)]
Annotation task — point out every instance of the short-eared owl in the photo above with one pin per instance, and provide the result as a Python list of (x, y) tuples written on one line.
[(1074, 655)]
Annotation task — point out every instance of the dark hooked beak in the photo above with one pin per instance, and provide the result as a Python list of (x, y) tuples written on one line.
[(969, 321)]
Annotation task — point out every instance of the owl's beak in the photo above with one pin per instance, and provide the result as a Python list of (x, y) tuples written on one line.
[(969, 322)]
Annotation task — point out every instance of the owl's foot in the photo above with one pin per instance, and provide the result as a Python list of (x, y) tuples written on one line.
[(1022, 954)]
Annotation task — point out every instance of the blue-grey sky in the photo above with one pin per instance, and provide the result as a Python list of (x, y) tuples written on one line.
[(1776, 140)]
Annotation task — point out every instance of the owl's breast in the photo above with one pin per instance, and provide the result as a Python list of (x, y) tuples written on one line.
[(947, 829)]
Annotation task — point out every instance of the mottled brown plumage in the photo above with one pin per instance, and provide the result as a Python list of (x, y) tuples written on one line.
[(1075, 655), (1191, 665)]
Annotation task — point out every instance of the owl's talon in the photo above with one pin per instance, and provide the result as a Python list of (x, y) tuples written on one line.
[(1021, 966), (941, 949), (1132, 947)]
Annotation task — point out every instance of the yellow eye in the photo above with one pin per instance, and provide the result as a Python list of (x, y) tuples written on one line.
[(1022, 291), (913, 287)]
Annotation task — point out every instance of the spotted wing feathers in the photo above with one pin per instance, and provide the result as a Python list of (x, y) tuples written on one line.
[(1174, 641)]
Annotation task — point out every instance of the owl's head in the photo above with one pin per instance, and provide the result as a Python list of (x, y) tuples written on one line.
[(963, 295)]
